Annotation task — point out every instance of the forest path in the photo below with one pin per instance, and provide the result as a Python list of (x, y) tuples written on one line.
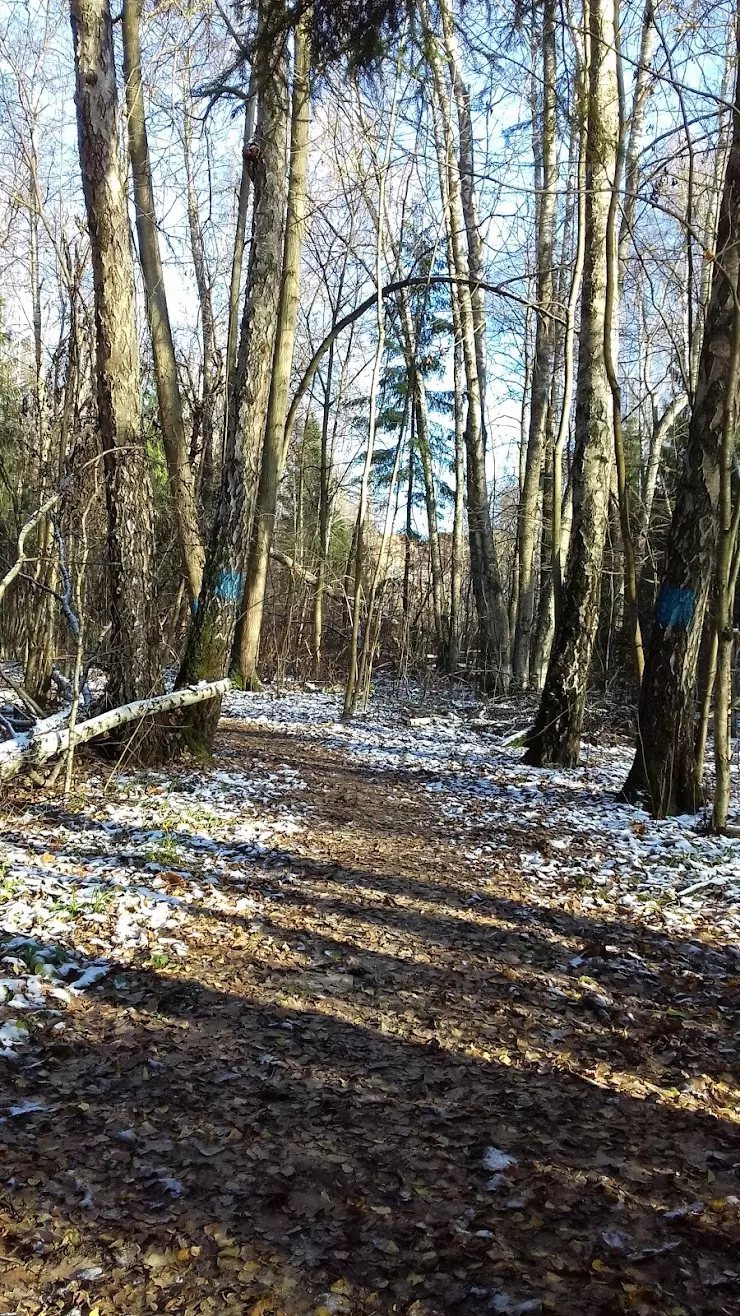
[(392, 1060)]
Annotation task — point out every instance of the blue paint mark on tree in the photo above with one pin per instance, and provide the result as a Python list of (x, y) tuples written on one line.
[(229, 585), (675, 606)]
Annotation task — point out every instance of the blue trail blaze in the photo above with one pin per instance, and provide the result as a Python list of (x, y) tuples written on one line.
[(675, 606), (229, 585)]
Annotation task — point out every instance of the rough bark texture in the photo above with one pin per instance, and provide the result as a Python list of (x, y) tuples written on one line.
[(274, 449), (169, 403), (663, 773), (211, 364), (133, 657), (557, 730), (211, 635), (546, 146)]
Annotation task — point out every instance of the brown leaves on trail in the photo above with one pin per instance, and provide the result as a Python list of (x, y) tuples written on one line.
[(395, 1079)]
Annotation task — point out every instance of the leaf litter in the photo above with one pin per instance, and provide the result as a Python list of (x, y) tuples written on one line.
[(367, 1018)]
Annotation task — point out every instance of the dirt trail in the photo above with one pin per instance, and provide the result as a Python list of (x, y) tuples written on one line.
[(384, 1086)]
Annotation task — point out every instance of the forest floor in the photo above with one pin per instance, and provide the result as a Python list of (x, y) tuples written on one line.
[(366, 1019)]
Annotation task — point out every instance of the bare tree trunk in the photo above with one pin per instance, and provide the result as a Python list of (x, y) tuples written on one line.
[(211, 634), (661, 429), (134, 661), (725, 586), (489, 596), (546, 171), (421, 426), (611, 361), (466, 166), (274, 450), (569, 372), (42, 620), (641, 94), (169, 402), (324, 476), (663, 773), (373, 613), (458, 519), (210, 376), (233, 380), (557, 731), (351, 690)]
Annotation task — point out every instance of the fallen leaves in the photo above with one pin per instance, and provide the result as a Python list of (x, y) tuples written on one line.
[(370, 1037)]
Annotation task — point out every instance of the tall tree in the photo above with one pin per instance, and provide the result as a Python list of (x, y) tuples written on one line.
[(490, 603), (133, 659), (211, 635), (557, 731), (664, 771), (182, 484), (274, 448), (546, 177)]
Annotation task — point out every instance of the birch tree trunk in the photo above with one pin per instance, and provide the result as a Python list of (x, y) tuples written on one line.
[(557, 731), (274, 450), (134, 660), (664, 773), (529, 522), (210, 638), (182, 484)]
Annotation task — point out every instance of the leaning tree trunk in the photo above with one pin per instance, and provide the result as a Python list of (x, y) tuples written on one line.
[(133, 662), (664, 773), (557, 731), (274, 449), (182, 484), (211, 635), (546, 149)]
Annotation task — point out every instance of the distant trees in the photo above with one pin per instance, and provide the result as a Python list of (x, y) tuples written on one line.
[(489, 270)]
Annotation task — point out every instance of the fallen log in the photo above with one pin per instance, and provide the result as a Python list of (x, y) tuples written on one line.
[(48, 738)]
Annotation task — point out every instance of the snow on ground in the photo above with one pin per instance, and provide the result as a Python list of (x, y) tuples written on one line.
[(119, 875), (114, 878), (668, 868)]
